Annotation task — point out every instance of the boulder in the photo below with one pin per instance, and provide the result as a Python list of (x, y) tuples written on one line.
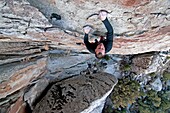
[(140, 63), (157, 85), (78, 94)]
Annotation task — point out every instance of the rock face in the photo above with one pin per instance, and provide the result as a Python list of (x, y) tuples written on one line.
[(30, 77), (14, 65), (76, 94), (17, 80), (19, 107), (28, 30), (142, 62), (21, 50), (15, 77), (139, 26), (157, 85)]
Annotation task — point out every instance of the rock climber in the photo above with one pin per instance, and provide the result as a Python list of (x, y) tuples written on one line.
[(100, 48)]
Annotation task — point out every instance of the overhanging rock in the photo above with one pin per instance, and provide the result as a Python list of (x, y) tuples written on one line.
[(139, 25)]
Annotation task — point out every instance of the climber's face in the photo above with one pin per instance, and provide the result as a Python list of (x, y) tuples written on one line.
[(100, 49)]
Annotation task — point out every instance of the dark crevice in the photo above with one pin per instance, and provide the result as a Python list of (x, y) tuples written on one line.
[(23, 59), (74, 65), (12, 18), (5, 27), (159, 14)]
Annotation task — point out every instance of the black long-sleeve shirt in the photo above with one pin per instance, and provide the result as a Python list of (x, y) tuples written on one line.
[(108, 42)]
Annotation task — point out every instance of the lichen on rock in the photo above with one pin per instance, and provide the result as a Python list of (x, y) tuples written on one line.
[(76, 94)]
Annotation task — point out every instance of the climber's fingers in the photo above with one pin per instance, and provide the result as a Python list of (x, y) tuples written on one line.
[(102, 15), (87, 28)]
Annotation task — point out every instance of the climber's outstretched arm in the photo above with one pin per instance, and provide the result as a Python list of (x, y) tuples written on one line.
[(109, 37)]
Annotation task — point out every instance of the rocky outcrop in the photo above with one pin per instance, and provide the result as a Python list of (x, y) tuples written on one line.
[(79, 94), (56, 72), (15, 77), (26, 74), (142, 62), (18, 59), (17, 80)]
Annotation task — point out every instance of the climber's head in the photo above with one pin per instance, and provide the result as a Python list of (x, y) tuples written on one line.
[(100, 51)]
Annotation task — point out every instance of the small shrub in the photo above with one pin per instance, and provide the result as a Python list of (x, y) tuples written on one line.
[(153, 74), (125, 92), (154, 102), (166, 75)]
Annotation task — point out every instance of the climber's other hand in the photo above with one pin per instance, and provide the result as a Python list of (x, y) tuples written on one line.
[(102, 15), (87, 29)]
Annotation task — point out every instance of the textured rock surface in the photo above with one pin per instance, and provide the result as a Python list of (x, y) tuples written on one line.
[(142, 62), (157, 85), (76, 94), (23, 50), (18, 75), (34, 91), (60, 65), (148, 63), (18, 107), (140, 26), (17, 79)]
